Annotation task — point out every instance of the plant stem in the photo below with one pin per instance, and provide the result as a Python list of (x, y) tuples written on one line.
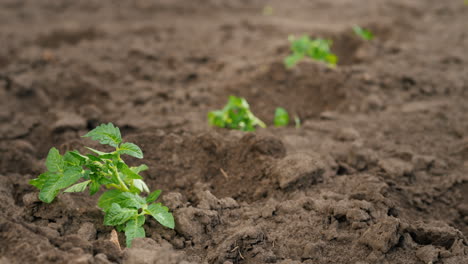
[(121, 182)]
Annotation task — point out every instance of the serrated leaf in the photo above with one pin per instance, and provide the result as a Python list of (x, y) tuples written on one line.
[(130, 149), (120, 228), (117, 215), (106, 134), (139, 169), (94, 158), (79, 187), (281, 117), (94, 187), (134, 229), (40, 180), (78, 155), (100, 153), (129, 174), (56, 182), (161, 214), (72, 159), (124, 199), (153, 196), (54, 161), (140, 185)]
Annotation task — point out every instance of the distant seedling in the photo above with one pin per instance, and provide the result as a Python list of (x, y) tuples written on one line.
[(281, 117), (316, 49), (123, 206), (363, 33), (235, 115)]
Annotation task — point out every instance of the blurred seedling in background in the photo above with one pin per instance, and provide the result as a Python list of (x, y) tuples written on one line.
[(317, 49), (363, 33), (297, 121), (267, 10), (235, 115), (123, 206), (281, 117)]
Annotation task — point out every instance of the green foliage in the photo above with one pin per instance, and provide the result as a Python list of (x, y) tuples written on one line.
[(235, 115), (281, 117), (363, 33), (123, 204), (316, 49)]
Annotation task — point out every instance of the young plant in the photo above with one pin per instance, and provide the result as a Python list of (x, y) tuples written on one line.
[(123, 206), (316, 49), (235, 115), (281, 117), (363, 33), (297, 121)]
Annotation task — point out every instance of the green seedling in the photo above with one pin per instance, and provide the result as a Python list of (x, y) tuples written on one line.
[(316, 49), (267, 10), (281, 117), (297, 121), (123, 205), (235, 115), (363, 33)]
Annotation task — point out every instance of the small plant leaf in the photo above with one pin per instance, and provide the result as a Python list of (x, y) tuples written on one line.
[(129, 174), (40, 180), (124, 199), (79, 187), (130, 149), (94, 187), (293, 59), (117, 215), (106, 134), (139, 169), (281, 117), (134, 229), (153, 196), (100, 153), (317, 49), (297, 121), (161, 214), (140, 185), (54, 161), (56, 182), (363, 33), (235, 115)]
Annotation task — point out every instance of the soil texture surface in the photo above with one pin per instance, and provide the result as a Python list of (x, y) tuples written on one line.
[(377, 172)]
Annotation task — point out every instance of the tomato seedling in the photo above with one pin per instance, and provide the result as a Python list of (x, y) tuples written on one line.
[(363, 33), (235, 115), (281, 117), (123, 206), (316, 49)]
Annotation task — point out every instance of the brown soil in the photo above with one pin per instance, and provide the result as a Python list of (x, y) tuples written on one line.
[(378, 172)]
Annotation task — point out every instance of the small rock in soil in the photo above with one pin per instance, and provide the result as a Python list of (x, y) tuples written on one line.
[(300, 169), (347, 134), (30, 198), (108, 248), (383, 235), (101, 259), (67, 121), (395, 167), (173, 200), (209, 201), (428, 254), (421, 162), (87, 231)]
